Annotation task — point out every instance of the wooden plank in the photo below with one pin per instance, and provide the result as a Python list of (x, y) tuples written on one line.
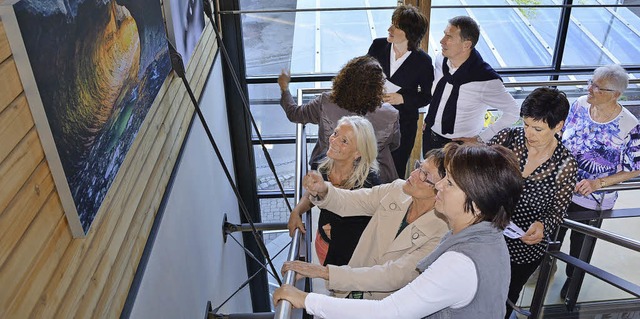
[(18, 166), (11, 86), (5, 49), (15, 122), (14, 271), (38, 277), (23, 209)]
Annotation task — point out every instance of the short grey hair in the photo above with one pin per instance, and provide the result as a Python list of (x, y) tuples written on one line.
[(615, 76)]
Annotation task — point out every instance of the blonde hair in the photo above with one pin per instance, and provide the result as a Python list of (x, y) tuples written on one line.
[(367, 146)]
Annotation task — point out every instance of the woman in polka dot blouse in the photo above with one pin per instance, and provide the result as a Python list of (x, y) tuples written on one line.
[(549, 174)]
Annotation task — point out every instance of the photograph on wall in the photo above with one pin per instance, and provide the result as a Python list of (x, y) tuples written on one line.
[(96, 67), (185, 23)]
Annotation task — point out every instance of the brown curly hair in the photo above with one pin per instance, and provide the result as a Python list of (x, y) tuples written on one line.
[(359, 86)]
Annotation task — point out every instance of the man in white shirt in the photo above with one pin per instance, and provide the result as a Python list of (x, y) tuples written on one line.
[(466, 87)]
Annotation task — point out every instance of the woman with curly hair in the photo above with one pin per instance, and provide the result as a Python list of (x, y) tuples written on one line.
[(409, 74), (357, 90)]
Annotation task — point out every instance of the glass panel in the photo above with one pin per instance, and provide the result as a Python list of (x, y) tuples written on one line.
[(270, 117), (501, 29), (617, 37), (284, 160), (274, 210), (309, 42), (267, 37)]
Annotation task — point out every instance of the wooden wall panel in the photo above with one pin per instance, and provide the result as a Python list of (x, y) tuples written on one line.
[(11, 86), (44, 272), (15, 122)]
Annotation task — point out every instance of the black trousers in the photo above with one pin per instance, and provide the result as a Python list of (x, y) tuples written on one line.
[(520, 273), (432, 140), (575, 240)]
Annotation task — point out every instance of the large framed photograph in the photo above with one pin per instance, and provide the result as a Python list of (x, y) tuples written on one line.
[(91, 70), (185, 23)]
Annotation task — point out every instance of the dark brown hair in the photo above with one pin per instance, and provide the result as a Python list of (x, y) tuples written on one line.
[(412, 22), (469, 28), (490, 178), (549, 105), (359, 85)]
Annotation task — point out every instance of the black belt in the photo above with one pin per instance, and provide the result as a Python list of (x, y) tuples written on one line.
[(439, 138)]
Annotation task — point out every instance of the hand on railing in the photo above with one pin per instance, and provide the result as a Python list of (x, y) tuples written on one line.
[(304, 269), (290, 293)]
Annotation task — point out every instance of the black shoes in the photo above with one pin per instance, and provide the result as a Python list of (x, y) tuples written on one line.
[(565, 287)]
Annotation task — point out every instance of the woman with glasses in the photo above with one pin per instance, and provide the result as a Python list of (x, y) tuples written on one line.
[(467, 275), (548, 172), (409, 74), (604, 137), (403, 230)]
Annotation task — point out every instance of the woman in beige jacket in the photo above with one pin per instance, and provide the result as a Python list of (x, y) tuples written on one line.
[(404, 229)]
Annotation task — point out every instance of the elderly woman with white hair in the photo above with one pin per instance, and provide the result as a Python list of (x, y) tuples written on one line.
[(604, 137)]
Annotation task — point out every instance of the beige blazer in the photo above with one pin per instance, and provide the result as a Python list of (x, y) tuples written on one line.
[(382, 263)]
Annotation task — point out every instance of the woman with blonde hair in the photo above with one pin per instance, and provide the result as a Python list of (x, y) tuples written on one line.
[(350, 163)]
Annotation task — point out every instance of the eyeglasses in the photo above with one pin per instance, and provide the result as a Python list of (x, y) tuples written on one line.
[(423, 175), (596, 88)]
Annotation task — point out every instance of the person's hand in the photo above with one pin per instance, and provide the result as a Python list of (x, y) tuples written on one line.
[(471, 140), (295, 221), (327, 230), (534, 234), (393, 98), (303, 269), (314, 184), (284, 79), (290, 293), (587, 186)]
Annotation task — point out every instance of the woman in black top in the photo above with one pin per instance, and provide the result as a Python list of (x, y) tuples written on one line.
[(350, 164), (549, 174), (409, 73)]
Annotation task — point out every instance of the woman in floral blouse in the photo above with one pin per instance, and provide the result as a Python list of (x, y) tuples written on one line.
[(604, 137), (548, 171)]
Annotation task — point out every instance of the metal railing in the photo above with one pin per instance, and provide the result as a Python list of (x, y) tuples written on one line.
[(581, 264), (283, 310)]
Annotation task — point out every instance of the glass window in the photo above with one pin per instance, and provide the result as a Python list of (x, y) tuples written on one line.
[(284, 160)]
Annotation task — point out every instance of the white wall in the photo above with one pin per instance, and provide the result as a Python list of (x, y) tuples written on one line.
[(189, 263)]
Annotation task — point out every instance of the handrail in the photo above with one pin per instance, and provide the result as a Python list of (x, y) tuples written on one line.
[(283, 310), (603, 234), (553, 252), (506, 84)]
